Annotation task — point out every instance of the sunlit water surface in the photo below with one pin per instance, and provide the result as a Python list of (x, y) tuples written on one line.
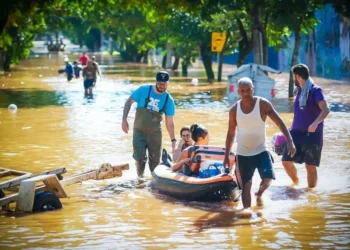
[(55, 126)]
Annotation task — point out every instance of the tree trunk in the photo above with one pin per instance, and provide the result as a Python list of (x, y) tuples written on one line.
[(265, 40), (257, 41), (164, 61), (257, 37), (176, 63), (245, 45), (145, 57), (110, 46), (265, 46), (294, 60), (207, 61), (184, 69), (221, 59), (7, 63), (56, 35), (2, 58), (138, 57)]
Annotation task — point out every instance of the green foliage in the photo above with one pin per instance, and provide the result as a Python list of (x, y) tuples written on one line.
[(16, 39), (138, 25), (225, 21), (183, 31)]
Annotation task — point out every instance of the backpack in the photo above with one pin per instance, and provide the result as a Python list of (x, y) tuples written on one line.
[(208, 153)]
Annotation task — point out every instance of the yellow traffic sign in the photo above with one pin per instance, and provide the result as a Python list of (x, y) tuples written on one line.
[(217, 41)]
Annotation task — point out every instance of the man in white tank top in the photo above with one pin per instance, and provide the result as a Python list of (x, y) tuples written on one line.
[(249, 117)]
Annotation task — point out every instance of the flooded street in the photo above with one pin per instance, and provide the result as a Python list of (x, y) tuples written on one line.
[(55, 126)]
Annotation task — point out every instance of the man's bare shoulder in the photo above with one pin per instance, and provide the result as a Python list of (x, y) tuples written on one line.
[(264, 101), (234, 107), (265, 104)]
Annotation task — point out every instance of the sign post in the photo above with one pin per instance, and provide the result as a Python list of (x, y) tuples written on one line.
[(217, 41), (217, 44)]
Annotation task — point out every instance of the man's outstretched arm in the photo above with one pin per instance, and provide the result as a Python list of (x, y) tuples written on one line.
[(274, 116), (231, 134), (170, 126), (127, 106)]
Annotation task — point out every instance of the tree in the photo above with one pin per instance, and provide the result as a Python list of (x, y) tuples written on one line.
[(298, 17), (182, 34), (18, 33)]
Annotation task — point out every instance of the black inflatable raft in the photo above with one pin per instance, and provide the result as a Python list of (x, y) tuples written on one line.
[(190, 188)]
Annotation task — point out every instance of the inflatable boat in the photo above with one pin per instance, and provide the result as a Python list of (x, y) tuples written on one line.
[(216, 188)]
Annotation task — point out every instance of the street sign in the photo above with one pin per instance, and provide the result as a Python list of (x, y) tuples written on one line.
[(217, 41)]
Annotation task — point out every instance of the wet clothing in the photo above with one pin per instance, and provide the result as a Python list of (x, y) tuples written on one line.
[(143, 141), (88, 83), (251, 145), (84, 60), (147, 125), (69, 71), (89, 74), (77, 70), (251, 132), (155, 101), (246, 165), (303, 118), (305, 153), (308, 145)]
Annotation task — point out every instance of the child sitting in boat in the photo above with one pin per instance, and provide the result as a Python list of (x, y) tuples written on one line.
[(200, 136)]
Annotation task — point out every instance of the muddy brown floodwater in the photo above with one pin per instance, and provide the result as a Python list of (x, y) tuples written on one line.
[(55, 126)]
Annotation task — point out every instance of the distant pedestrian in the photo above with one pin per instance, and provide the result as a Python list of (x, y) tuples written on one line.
[(98, 71), (310, 109), (89, 74), (77, 69), (84, 59), (69, 69)]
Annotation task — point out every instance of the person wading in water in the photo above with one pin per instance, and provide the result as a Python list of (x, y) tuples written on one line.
[(248, 116), (152, 102)]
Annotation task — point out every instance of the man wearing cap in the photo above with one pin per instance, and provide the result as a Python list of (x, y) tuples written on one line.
[(310, 110), (152, 102)]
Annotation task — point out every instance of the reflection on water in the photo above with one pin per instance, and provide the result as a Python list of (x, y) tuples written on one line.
[(55, 126)]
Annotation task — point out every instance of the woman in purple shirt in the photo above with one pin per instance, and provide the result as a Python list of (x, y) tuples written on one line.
[(310, 109)]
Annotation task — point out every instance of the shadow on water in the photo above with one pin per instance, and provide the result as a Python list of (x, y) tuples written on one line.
[(172, 80), (32, 99), (278, 193), (127, 71), (225, 219), (43, 98), (122, 187), (215, 98)]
